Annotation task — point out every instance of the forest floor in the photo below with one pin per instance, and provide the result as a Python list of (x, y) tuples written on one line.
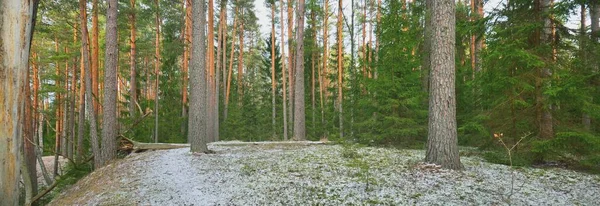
[(302, 174)]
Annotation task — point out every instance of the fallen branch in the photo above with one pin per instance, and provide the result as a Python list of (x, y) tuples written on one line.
[(40, 195)]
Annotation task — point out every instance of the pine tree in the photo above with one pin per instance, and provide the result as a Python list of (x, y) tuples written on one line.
[(442, 143)]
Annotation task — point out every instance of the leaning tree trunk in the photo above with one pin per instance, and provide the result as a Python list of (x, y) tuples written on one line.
[(299, 115), (197, 120), (442, 143), (109, 106), (16, 30)]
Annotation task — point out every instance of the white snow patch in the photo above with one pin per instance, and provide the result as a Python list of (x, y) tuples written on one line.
[(273, 174)]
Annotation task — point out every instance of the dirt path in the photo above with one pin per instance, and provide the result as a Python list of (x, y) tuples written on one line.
[(322, 175)]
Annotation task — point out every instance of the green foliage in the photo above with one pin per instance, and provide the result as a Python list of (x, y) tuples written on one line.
[(390, 109), (569, 146), (72, 174)]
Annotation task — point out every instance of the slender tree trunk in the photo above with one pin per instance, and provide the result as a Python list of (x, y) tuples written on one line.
[(240, 73), (543, 108), (594, 7), (16, 30), (90, 98), (283, 71), (220, 66), (211, 73), (197, 120), (378, 35), (71, 128), (364, 45), (29, 155), (95, 58), (64, 122), (290, 27), (227, 93), (132, 61), (157, 60), (109, 107), (595, 23), (84, 64), (323, 72), (299, 114), (442, 143), (273, 81), (186, 56), (340, 62), (58, 109), (313, 60), (426, 59), (224, 58)]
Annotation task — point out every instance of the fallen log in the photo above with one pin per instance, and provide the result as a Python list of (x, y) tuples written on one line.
[(129, 145)]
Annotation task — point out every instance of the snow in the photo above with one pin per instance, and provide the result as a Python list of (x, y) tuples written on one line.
[(313, 174)]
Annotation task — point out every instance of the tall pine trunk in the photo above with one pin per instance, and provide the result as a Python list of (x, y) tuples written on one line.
[(197, 120), (283, 71), (340, 68), (109, 106), (210, 56), (95, 58), (240, 71), (273, 81), (299, 107), (323, 72), (29, 155), (290, 27), (442, 143)]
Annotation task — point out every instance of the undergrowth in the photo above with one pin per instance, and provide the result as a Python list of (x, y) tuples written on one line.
[(72, 174)]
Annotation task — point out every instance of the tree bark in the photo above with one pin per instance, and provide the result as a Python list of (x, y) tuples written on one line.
[(283, 71), (426, 59), (16, 30), (95, 58), (58, 109), (132, 61), (89, 97), (224, 58), (543, 108), (291, 86), (186, 56), (157, 59), (109, 107), (323, 79), (299, 114), (340, 62), (29, 155), (240, 72), (273, 81), (210, 132), (442, 143), (197, 120)]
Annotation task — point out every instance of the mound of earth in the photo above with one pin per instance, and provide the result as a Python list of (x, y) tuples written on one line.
[(307, 174)]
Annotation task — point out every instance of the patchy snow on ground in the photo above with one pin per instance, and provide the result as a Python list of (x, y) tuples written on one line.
[(306, 174)]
